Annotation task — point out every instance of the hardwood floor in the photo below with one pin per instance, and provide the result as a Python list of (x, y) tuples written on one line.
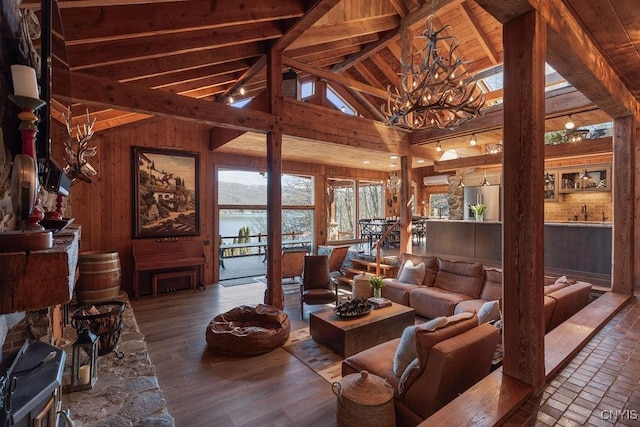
[(206, 389)]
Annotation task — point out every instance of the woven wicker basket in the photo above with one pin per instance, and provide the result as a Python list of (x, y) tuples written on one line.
[(364, 400), (361, 286)]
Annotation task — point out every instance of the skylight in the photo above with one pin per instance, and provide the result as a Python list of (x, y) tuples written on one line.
[(339, 103)]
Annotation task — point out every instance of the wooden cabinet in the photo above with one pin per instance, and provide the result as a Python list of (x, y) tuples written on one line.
[(551, 186), (593, 178)]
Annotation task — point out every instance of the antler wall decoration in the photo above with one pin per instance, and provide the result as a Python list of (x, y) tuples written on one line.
[(77, 150)]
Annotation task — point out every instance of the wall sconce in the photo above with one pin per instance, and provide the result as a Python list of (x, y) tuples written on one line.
[(291, 84), (473, 140), (25, 96), (84, 362), (438, 147)]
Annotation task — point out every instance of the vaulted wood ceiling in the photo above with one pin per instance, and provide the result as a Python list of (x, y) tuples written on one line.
[(207, 50)]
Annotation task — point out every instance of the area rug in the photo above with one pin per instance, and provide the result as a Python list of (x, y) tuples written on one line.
[(237, 282), (289, 286), (319, 358)]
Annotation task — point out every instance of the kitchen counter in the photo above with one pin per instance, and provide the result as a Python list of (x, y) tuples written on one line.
[(571, 246)]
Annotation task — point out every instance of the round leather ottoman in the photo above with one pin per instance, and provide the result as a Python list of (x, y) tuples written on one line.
[(248, 330)]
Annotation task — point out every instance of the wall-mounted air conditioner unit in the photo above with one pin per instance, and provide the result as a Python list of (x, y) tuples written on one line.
[(436, 180)]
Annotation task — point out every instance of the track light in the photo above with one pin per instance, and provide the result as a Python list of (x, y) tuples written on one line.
[(569, 124), (473, 140), (438, 147), (242, 91)]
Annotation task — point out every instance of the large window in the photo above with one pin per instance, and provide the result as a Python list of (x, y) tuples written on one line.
[(242, 214), (439, 205), (350, 201)]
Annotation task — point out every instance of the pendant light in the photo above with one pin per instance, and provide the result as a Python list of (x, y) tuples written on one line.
[(438, 147), (473, 140), (484, 181), (585, 175)]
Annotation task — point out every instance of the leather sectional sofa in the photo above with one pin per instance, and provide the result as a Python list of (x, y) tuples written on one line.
[(436, 287), (431, 364)]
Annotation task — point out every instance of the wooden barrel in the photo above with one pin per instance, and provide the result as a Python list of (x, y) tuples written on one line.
[(99, 278)]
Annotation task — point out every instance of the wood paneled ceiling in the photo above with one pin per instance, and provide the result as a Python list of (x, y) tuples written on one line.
[(207, 50)]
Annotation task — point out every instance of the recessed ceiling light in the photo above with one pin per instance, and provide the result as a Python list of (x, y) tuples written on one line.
[(420, 161), (393, 165), (366, 162), (393, 157)]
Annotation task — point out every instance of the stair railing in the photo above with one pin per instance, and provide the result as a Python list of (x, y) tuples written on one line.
[(378, 244)]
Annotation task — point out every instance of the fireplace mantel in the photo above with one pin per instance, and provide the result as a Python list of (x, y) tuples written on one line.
[(35, 280)]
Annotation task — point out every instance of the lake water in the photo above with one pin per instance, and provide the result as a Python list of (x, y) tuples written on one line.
[(230, 223)]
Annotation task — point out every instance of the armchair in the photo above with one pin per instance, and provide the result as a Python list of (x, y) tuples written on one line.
[(292, 263), (317, 286)]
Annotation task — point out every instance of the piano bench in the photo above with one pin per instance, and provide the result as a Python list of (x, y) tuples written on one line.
[(191, 274)]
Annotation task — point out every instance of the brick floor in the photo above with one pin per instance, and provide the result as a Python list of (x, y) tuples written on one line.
[(600, 386)]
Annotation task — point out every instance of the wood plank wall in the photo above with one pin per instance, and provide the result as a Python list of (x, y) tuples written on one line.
[(104, 209)]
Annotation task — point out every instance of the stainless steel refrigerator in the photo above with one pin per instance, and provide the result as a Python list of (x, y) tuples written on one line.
[(489, 195)]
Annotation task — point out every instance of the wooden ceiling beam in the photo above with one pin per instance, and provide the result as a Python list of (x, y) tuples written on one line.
[(309, 121), (587, 147), (257, 66), (558, 102), (332, 77), (96, 54), (329, 33), (571, 52), (131, 71), (393, 36), (301, 52), (120, 22), (368, 75), (386, 69), (311, 16), (481, 37), (195, 75), (218, 136), (369, 50), (94, 90)]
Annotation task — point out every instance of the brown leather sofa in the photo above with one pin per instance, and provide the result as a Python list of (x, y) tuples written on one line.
[(451, 287), (448, 360)]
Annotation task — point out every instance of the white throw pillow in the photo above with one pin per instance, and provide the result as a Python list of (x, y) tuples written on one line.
[(489, 311), (406, 351), (412, 274)]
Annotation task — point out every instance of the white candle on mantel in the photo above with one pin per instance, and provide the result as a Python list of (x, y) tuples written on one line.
[(25, 82), (84, 375)]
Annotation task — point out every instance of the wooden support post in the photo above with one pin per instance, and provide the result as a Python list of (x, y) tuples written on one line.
[(523, 225), (275, 296), (624, 147), (406, 178)]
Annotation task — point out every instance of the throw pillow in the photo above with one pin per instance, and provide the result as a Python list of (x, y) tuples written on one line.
[(406, 351), (412, 274), (561, 282), (489, 311)]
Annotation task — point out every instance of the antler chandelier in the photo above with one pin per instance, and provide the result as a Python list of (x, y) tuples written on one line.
[(435, 89)]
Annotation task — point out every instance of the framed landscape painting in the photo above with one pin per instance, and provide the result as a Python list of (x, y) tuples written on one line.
[(165, 193)]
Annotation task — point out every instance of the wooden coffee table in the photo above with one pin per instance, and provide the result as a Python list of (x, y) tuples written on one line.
[(347, 336)]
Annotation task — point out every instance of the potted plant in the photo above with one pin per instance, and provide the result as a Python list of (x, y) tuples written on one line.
[(478, 210), (377, 284)]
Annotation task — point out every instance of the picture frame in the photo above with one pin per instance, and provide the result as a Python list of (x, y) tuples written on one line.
[(166, 193)]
